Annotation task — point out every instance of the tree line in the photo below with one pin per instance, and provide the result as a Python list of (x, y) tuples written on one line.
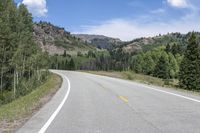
[(171, 61), (22, 63)]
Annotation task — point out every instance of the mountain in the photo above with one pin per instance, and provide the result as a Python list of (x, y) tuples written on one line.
[(100, 41), (56, 40), (148, 43)]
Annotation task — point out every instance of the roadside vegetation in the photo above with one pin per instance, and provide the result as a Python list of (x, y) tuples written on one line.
[(15, 113), (25, 82), (23, 66), (130, 75)]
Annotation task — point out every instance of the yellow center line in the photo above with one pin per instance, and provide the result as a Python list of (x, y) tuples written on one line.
[(123, 98)]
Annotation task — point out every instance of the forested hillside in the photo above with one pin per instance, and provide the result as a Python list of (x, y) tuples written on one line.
[(56, 40), (99, 41), (167, 57), (22, 63), (149, 43)]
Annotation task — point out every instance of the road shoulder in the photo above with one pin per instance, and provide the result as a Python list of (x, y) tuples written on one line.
[(35, 123)]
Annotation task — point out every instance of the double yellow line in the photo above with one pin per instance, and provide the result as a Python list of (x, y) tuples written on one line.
[(123, 98)]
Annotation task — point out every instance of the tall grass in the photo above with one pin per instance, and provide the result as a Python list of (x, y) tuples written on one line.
[(24, 106)]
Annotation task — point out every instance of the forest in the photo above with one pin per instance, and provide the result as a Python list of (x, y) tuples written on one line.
[(23, 65)]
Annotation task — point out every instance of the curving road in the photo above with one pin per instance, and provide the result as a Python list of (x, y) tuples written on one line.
[(89, 103)]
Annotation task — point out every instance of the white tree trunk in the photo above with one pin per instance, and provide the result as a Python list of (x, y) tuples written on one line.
[(23, 66), (2, 80), (38, 74), (14, 84), (2, 72), (29, 74), (17, 74)]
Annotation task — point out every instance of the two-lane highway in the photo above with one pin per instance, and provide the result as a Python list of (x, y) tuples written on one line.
[(89, 103)]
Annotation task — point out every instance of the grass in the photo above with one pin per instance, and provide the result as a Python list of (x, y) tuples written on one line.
[(130, 75), (12, 114), (149, 79)]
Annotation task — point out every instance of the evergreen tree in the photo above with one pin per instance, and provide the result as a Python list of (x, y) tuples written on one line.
[(179, 59), (65, 53), (71, 64), (149, 64), (189, 76), (168, 48), (138, 63), (162, 67)]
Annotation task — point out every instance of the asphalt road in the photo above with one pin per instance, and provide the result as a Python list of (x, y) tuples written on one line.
[(89, 103)]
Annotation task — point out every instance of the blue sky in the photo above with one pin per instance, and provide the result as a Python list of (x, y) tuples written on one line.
[(124, 19)]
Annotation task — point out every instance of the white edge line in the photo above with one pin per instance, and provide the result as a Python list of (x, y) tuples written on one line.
[(174, 94), (47, 124), (151, 88)]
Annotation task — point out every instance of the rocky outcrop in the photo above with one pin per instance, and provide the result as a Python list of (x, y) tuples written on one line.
[(100, 41), (55, 40)]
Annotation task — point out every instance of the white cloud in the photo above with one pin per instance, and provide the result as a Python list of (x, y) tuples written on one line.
[(149, 25), (178, 3), (130, 29), (37, 7)]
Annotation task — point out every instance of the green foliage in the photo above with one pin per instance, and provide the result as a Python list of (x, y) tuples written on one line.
[(147, 44), (162, 68), (20, 58), (65, 53), (72, 64), (173, 66), (189, 76), (157, 62), (168, 48), (130, 75), (25, 105), (79, 54), (148, 65), (91, 54), (162, 62), (138, 63)]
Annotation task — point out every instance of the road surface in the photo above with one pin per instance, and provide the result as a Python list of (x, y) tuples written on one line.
[(89, 103)]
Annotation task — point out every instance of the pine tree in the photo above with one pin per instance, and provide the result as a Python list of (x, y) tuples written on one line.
[(176, 49), (149, 64), (189, 76), (65, 53), (162, 67), (138, 63), (71, 64), (168, 48)]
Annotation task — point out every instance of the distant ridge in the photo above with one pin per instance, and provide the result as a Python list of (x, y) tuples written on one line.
[(55, 40), (100, 41)]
